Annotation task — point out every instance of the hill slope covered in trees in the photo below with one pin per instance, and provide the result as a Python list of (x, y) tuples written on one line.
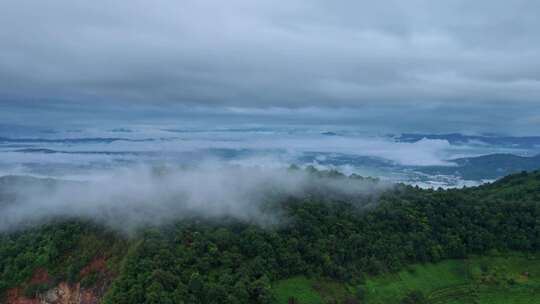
[(327, 238)]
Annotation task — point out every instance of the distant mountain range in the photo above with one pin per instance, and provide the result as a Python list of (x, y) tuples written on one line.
[(82, 140), (480, 168), (490, 166), (526, 142)]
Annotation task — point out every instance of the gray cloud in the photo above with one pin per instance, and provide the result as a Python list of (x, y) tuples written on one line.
[(135, 197), (433, 56)]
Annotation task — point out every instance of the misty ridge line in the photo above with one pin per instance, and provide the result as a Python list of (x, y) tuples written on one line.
[(140, 196), (79, 140), (434, 152)]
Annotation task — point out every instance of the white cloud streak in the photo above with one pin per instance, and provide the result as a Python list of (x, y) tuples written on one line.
[(135, 197)]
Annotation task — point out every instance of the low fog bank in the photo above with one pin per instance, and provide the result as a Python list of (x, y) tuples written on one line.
[(136, 197)]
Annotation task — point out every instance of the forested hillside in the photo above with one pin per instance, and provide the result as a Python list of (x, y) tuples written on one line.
[(327, 237)]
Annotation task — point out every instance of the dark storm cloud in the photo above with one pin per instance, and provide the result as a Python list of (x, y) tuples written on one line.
[(426, 54)]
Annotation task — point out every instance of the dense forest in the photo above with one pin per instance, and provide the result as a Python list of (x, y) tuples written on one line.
[(336, 237)]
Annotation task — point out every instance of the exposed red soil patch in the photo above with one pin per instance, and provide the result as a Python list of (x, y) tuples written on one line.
[(89, 297), (40, 276), (65, 293), (14, 296), (97, 265)]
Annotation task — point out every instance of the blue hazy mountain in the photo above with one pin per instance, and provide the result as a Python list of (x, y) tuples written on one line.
[(479, 168), (525, 142), (490, 166)]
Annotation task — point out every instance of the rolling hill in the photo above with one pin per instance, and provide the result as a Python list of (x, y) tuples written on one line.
[(410, 245)]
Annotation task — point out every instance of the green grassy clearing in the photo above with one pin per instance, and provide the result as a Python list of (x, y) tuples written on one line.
[(301, 288), (508, 279)]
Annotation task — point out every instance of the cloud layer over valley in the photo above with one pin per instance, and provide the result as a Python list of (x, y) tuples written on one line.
[(140, 196)]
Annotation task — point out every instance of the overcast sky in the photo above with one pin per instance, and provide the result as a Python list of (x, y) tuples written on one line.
[(440, 66)]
